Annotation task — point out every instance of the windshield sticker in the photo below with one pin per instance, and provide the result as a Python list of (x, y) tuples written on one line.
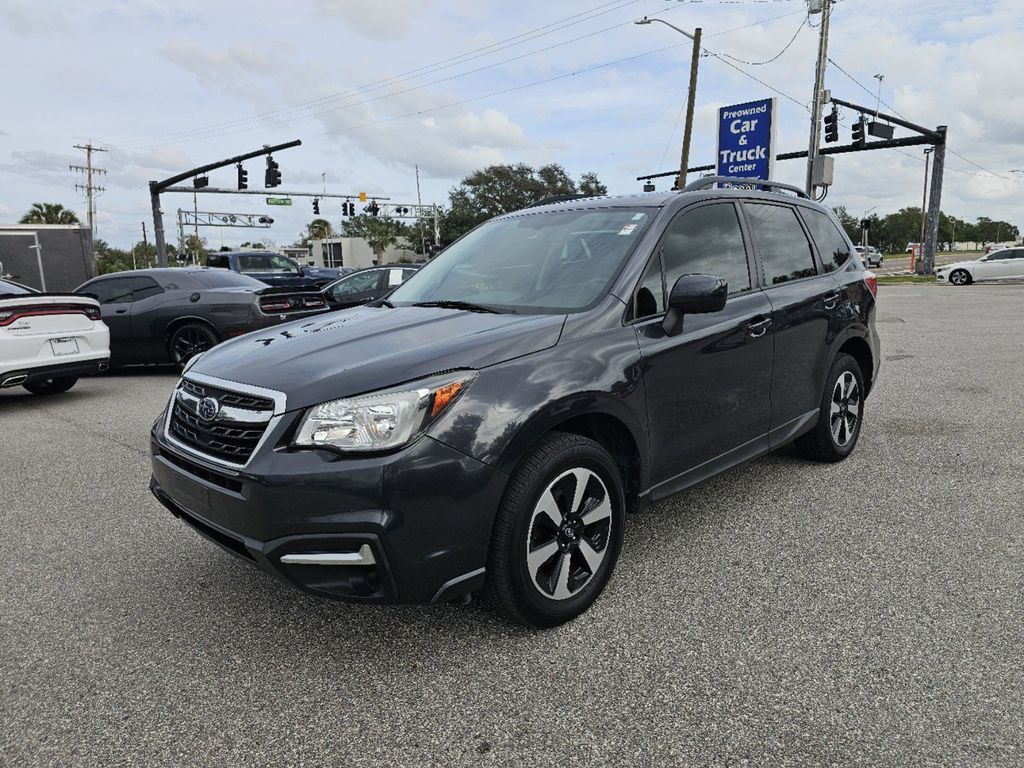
[(638, 216), (628, 229)]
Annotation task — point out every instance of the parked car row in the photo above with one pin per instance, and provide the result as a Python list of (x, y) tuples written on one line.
[(47, 341)]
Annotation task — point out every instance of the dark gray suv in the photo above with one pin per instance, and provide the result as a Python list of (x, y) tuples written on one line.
[(490, 424)]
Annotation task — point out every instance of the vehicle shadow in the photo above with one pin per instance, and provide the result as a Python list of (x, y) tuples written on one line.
[(220, 593)]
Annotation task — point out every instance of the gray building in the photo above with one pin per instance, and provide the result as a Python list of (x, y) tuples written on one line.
[(62, 263)]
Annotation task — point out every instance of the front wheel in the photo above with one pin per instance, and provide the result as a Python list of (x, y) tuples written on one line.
[(960, 277), (52, 386), (190, 340), (558, 532), (839, 420)]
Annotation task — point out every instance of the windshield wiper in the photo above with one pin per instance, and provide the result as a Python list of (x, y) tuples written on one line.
[(467, 305)]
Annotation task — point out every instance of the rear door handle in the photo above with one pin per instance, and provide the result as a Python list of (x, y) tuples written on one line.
[(758, 328), (831, 300)]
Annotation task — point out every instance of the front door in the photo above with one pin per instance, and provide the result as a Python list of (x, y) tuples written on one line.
[(707, 388), (115, 297)]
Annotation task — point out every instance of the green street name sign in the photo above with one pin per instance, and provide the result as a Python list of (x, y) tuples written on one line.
[(279, 201)]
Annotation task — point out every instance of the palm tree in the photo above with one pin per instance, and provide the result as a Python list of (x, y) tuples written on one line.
[(49, 213)]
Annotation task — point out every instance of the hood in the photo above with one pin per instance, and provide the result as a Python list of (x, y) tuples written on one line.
[(369, 348)]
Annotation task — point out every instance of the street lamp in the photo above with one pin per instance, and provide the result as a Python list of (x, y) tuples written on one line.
[(691, 97)]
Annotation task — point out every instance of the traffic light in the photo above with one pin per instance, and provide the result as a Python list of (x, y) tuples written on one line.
[(347, 208), (243, 177), (272, 178), (201, 181), (857, 131), (865, 223), (832, 126), (316, 206), (373, 209)]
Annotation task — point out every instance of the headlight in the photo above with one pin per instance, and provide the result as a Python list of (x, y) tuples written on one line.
[(384, 420)]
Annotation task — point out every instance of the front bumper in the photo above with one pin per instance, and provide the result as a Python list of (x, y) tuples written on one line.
[(424, 515)]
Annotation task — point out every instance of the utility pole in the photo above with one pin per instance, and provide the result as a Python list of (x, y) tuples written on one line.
[(691, 97), (915, 257), (195, 210), (419, 201), (89, 188), (934, 203), (819, 86)]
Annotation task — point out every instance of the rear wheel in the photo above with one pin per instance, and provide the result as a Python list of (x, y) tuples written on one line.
[(839, 420), (52, 386), (960, 277), (558, 532), (190, 340)]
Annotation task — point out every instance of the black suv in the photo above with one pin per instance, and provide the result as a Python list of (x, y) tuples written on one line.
[(490, 423)]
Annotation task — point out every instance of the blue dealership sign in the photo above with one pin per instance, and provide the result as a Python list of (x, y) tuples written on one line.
[(746, 139)]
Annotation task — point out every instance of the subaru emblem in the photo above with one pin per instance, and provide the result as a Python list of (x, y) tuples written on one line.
[(208, 408)]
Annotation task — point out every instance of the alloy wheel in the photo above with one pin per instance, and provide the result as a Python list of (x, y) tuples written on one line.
[(189, 342), (569, 533), (959, 277), (844, 410)]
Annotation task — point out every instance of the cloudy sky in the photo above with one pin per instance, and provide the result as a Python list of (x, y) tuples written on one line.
[(373, 88)]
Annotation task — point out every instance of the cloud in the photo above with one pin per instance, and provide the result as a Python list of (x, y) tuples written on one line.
[(384, 20)]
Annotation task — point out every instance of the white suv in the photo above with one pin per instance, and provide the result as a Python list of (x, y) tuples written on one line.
[(48, 340)]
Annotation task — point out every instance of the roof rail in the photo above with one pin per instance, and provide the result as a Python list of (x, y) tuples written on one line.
[(557, 199), (710, 181)]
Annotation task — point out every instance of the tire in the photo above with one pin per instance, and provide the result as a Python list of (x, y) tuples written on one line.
[(540, 591), (52, 386), (842, 410), (190, 340), (960, 277)]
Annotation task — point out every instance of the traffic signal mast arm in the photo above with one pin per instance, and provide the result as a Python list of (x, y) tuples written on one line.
[(160, 186)]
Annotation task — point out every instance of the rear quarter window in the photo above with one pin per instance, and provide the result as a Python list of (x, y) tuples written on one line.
[(833, 248), (781, 243)]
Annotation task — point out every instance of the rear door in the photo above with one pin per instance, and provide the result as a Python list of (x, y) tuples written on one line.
[(1010, 263), (803, 299), (707, 387)]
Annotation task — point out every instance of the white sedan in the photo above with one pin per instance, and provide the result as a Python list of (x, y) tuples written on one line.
[(49, 340), (1006, 264)]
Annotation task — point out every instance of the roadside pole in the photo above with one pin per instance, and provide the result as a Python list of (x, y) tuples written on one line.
[(934, 204), (691, 99), (918, 255), (158, 224), (819, 86)]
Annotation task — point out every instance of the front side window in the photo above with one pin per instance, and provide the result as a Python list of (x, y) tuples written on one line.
[(832, 246), (784, 249), (553, 261), (706, 241), (116, 290)]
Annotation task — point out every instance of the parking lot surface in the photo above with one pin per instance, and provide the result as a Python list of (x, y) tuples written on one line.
[(784, 613)]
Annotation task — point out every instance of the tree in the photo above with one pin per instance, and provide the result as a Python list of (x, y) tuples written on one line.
[(379, 232), (318, 229), (193, 247), (500, 189), (49, 213)]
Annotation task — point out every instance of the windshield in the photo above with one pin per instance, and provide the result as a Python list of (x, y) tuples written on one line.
[(556, 261), (265, 262)]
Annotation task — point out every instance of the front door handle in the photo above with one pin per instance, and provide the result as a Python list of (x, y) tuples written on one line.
[(120, 311), (758, 328), (831, 300)]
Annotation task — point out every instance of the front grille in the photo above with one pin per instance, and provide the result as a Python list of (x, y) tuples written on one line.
[(228, 483), (232, 441), (234, 399)]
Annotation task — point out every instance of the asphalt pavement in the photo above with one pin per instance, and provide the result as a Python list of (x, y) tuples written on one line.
[(785, 613)]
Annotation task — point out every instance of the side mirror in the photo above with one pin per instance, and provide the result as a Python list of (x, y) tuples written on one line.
[(692, 295)]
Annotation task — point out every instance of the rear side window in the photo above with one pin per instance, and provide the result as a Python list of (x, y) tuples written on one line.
[(833, 248), (785, 251)]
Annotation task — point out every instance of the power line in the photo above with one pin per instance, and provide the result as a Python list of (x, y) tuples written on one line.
[(547, 29), (785, 48)]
